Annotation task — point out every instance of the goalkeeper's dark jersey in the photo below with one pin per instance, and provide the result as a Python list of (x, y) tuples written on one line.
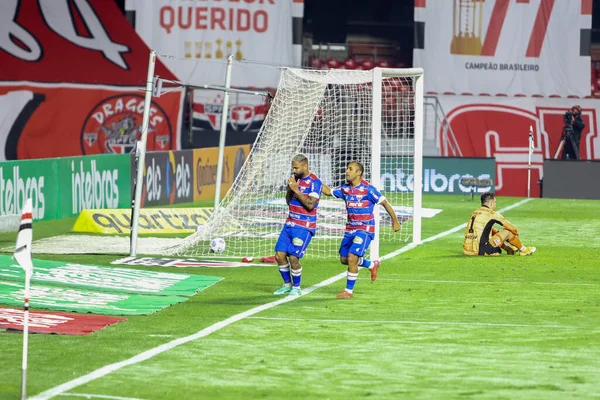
[(480, 230)]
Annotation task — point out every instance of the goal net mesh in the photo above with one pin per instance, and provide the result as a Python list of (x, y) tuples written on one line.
[(326, 115)]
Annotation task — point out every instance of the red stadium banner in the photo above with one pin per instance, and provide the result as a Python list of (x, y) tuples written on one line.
[(71, 82), (201, 34), (68, 120), (527, 47), (499, 127)]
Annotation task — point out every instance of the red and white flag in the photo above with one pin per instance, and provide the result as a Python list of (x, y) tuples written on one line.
[(23, 249)]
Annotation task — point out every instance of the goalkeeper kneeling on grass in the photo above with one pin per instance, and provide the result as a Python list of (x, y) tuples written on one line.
[(482, 239)]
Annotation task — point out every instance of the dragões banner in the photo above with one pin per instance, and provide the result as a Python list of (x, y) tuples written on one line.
[(199, 35), (71, 80), (527, 47), (498, 127)]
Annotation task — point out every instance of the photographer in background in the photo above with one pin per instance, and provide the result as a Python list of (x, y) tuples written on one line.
[(578, 126), (571, 149)]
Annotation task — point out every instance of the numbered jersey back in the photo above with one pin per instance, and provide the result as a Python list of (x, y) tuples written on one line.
[(479, 228)]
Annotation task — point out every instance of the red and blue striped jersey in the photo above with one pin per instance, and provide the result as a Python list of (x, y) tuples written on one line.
[(299, 216), (360, 202)]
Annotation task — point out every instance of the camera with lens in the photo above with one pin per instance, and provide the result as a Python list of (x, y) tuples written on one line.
[(568, 117)]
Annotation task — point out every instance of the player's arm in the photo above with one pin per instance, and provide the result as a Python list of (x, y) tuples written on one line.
[(288, 196), (327, 190), (392, 214), (309, 202), (505, 223)]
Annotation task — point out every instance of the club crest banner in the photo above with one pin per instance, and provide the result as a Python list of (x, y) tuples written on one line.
[(201, 34), (510, 47)]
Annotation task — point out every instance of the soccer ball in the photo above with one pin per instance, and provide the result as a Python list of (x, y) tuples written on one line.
[(217, 245)]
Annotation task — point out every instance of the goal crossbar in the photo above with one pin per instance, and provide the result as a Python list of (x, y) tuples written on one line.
[(334, 117)]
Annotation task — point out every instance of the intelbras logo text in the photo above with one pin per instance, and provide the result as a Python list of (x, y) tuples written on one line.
[(92, 187), (14, 190), (433, 182)]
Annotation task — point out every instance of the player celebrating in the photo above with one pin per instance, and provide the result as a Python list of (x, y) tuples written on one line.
[(302, 197), (360, 197), (482, 239)]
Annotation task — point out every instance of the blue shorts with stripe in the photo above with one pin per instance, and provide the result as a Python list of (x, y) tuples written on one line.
[(355, 243), (293, 241)]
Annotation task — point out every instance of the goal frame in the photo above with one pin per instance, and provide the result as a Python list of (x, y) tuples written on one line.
[(378, 76)]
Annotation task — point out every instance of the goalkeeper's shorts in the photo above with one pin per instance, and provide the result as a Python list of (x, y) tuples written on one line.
[(487, 249)]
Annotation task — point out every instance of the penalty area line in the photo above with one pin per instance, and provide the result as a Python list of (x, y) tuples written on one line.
[(404, 322), (107, 369), (99, 396)]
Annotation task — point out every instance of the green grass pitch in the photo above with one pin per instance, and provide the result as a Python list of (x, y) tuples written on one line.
[(435, 325)]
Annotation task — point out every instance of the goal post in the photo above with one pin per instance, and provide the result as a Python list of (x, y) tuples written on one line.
[(334, 117), (379, 74), (140, 157)]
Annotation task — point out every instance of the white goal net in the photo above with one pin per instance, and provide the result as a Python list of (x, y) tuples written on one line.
[(333, 117)]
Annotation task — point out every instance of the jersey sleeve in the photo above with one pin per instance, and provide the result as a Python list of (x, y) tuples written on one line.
[(337, 192), (505, 223), (316, 188), (375, 195)]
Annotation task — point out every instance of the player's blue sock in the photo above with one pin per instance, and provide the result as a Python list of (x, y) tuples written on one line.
[(297, 276), (284, 270), (351, 281), (363, 262)]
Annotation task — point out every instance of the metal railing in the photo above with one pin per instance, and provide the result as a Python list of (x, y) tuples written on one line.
[(437, 129)]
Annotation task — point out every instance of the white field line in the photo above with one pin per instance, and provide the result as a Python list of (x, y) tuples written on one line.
[(107, 369), (483, 283), (99, 396), (366, 321)]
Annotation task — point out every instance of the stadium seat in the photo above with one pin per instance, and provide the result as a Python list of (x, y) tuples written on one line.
[(367, 64), (350, 63), (384, 64), (315, 62), (332, 63)]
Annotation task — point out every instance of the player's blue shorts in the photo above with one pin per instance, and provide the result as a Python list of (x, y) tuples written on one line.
[(293, 241), (356, 243)]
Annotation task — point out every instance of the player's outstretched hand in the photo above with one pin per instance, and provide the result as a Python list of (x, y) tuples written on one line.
[(396, 226)]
